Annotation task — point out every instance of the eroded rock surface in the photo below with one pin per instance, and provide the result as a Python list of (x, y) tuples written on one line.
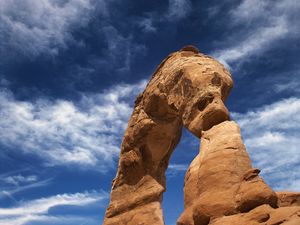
[(263, 215), (288, 198), (221, 186), (187, 89), (221, 180)]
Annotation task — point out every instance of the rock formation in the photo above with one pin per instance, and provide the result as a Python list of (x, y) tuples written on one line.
[(221, 180), (263, 215), (187, 89), (221, 187), (287, 198)]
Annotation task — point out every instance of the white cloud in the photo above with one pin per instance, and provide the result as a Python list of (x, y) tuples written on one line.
[(32, 27), (288, 86), (85, 133), (265, 140), (37, 210), (120, 49), (174, 169), (254, 43), (49, 220), (146, 23), (261, 24), (178, 9), (178, 167), (17, 179), (249, 10), (271, 134), (11, 184), (40, 206), (8, 191), (289, 82)]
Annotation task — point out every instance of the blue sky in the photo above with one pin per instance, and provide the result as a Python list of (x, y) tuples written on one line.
[(70, 71)]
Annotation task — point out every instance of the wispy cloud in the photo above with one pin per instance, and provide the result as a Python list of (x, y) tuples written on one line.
[(19, 179), (85, 133), (174, 169), (38, 209), (271, 134), (8, 192), (261, 24), (147, 24), (176, 10), (43, 28), (179, 9), (120, 49), (35, 27), (177, 167), (288, 82), (255, 43), (50, 220)]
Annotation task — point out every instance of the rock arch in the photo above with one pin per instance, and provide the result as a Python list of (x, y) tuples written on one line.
[(221, 186), (187, 89)]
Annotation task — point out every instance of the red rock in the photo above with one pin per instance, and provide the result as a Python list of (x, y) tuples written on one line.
[(221, 186), (221, 180), (263, 214), (187, 89), (288, 198)]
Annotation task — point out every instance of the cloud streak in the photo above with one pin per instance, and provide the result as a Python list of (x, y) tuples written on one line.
[(255, 43), (271, 134), (10, 191), (38, 209), (174, 169), (178, 9), (35, 27), (18, 179), (120, 49), (86, 133), (261, 25)]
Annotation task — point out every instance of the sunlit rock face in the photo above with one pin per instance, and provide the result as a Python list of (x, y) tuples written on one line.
[(288, 198), (221, 186), (187, 89), (221, 180)]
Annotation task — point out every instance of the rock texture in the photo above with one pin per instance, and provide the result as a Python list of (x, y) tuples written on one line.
[(221, 186), (263, 215), (187, 89), (221, 180), (288, 198)]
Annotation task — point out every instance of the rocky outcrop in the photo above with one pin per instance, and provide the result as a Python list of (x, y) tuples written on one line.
[(221, 186), (149, 213), (288, 198), (221, 180), (263, 215), (187, 89)]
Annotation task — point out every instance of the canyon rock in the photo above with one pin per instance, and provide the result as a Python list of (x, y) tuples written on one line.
[(263, 214), (221, 180), (187, 89), (221, 186), (288, 198)]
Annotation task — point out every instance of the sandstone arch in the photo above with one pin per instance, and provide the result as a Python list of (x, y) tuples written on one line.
[(187, 89), (221, 186)]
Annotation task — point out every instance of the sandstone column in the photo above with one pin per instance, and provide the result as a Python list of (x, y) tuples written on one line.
[(221, 180)]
